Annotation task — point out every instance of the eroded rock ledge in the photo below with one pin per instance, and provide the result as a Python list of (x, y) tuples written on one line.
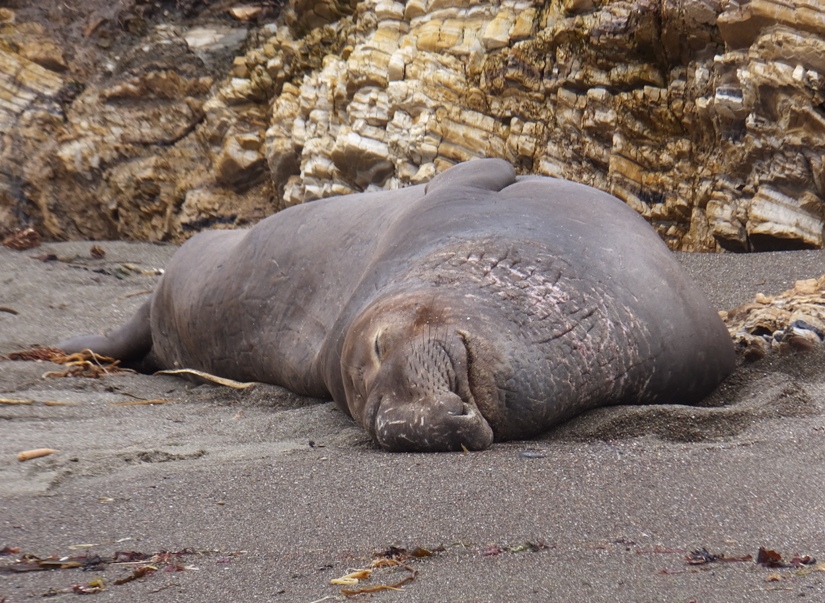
[(706, 116)]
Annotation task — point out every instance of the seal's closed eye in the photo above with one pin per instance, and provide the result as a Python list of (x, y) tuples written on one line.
[(376, 344)]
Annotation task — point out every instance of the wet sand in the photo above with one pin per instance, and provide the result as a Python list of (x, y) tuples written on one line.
[(270, 495)]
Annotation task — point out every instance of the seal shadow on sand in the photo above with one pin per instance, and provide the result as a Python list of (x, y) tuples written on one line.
[(777, 387)]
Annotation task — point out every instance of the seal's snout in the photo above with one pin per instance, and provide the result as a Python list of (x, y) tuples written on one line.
[(446, 423), (407, 379), (421, 400)]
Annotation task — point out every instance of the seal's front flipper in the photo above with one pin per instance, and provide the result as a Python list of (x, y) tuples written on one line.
[(131, 342), (486, 174)]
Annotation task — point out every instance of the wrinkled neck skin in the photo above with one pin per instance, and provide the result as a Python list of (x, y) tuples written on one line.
[(503, 352)]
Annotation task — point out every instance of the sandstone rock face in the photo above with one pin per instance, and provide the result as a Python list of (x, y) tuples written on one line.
[(706, 116), (144, 148)]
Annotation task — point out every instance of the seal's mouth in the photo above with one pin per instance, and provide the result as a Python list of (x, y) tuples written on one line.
[(429, 405)]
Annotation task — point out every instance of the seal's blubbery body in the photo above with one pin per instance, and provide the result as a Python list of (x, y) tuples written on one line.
[(477, 307)]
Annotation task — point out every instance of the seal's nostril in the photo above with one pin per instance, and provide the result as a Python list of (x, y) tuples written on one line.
[(372, 408), (448, 403), (461, 411)]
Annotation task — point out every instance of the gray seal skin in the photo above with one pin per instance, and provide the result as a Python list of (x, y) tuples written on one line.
[(477, 307)]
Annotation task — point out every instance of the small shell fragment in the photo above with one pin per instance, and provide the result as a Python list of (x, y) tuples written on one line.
[(36, 453), (352, 577), (245, 12)]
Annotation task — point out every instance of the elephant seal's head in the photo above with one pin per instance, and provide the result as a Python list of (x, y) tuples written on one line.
[(414, 379)]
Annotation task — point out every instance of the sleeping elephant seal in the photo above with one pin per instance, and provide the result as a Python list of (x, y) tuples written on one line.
[(479, 307)]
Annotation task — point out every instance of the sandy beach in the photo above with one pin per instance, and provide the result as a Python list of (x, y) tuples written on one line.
[(261, 495)]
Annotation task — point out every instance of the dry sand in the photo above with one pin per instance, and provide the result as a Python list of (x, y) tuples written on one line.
[(274, 495)]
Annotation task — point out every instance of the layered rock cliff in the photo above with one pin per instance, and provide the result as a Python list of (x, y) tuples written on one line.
[(706, 116)]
